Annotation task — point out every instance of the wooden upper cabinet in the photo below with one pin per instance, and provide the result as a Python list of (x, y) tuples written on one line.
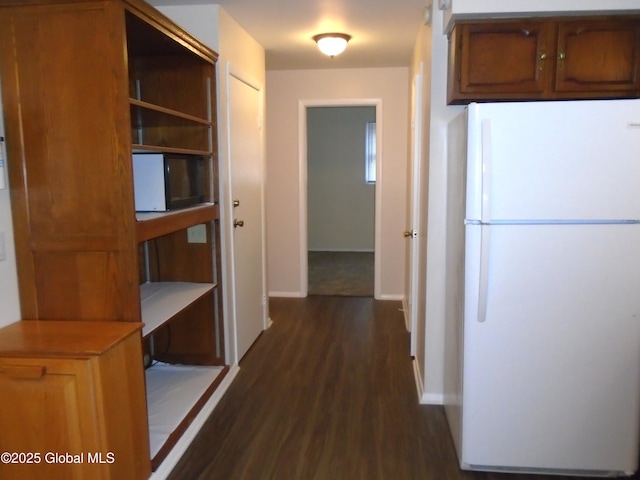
[(502, 58), (600, 56), (544, 59)]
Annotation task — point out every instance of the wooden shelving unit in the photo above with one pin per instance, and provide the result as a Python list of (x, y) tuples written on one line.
[(86, 85)]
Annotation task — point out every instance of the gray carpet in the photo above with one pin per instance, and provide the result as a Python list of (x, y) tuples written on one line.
[(348, 274)]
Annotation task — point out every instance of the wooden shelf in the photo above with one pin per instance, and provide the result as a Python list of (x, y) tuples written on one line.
[(159, 126), (167, 111), (175, 395), (138, 148), (156, 224), (160, 301)]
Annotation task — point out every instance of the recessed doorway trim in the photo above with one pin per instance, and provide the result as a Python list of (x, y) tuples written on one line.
[(302, 183)]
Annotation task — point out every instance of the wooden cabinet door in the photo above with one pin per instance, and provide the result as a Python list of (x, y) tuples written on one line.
[(499, 60), (45, 415), (72, 401), (598, 56)]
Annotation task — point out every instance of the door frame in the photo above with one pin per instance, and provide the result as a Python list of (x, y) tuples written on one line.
[(302, 184), (226, 196), (414, 214)]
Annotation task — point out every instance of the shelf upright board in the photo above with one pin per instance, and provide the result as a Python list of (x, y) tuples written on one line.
[(65, 100)]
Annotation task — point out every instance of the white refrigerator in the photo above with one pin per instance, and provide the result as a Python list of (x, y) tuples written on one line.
[(542, 367)]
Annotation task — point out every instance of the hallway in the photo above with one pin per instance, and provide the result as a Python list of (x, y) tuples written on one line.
[(327, 393)]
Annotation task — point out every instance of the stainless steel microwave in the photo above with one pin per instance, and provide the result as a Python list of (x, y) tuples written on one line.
[(165, 182)]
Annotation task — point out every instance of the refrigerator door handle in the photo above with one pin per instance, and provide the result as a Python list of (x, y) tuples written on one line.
[(483, 277), (486, 170)]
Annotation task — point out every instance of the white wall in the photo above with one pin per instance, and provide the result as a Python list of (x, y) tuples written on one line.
[(199, 20), (9, 300), (341, 204), (285, 90), (441, 114)]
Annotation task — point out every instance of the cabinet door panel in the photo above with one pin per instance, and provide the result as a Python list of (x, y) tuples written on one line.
[(598, 56), (45, 415), (503, 58)]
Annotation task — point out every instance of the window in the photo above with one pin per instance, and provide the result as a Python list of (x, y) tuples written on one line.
[(370, 153)]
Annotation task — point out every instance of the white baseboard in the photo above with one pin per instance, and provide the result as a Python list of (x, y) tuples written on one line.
[(342, 250), (287, 294), (423, 397), (432, 399), (417, 376), (395, 297), (405, 312), (181, 446)]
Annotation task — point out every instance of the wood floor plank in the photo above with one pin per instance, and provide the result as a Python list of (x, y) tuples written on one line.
[(327, 393)]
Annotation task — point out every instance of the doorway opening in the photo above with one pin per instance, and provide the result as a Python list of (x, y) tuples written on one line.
[(341, 166)]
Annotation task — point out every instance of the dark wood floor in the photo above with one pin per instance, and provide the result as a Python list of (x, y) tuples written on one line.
[(327, 393)]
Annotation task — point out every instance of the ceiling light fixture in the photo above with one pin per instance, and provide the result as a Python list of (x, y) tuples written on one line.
[(332, 44)]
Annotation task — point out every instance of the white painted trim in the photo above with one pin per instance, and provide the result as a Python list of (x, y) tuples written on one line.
[(405, 313), (226, 240), (397, 297), (302, 198), (415, 208), (302, 184), (238, 74), (418, 379), (432, 399), (342, 250), (287, 294), (187, 437)]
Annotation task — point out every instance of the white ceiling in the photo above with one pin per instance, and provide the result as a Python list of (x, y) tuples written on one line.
[(383, 31)]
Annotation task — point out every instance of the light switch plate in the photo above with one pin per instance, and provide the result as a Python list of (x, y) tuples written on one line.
[(197, 234)]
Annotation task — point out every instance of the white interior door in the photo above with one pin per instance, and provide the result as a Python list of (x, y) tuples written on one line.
[(413, 215), (246, 190)]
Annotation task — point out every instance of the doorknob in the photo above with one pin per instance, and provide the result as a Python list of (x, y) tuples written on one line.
[(238, 223), (410, 234)]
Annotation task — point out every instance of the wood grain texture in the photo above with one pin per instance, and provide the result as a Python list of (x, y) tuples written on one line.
[(72, 387), (551, 58), (327, 393)]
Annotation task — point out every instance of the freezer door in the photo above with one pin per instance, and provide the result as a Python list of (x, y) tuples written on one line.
[(554, 160), (551, 372)]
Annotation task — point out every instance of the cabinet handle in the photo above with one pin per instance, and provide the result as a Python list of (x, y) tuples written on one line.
[(24, 371), (561, 56), (541, 60)]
